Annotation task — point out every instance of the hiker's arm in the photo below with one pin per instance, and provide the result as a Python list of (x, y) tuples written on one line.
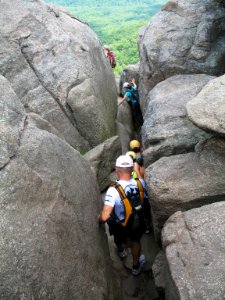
[(124, 98), (134, 83), (137, 170), (105, 213)]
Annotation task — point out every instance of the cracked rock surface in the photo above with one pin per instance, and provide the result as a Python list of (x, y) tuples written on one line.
[(51, 78), (50, 241), (167, 129), (185, 181), (59, 72), (185, 37), (194, 243), (207, 109)]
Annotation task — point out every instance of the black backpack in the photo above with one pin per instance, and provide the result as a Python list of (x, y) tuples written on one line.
[(135, 96)]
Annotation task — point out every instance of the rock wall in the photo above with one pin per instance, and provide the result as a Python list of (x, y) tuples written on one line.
[(58, 70), (182, 49), (185, 37), (181, 182), (51, 246), (207, 109), (102, 160), (57, 94), (167, 129), (194, 244)]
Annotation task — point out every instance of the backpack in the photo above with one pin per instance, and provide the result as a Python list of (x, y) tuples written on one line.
[(112, 59), (134, 96), (133, 205), (140, 161)]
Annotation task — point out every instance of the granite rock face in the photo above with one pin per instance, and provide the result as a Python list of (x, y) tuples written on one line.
[(57, 93), (50, 240), (194, 243), (57, 68), (185, 181), (185, 37), (102, 160), (207, 109), (167, 129)]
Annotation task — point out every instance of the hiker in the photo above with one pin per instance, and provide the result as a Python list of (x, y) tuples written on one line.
[(132, 97), (124, 208), (110, 55), (135, 146), (136, 173)]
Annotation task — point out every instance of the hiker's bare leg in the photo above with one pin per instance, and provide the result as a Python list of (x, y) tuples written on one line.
[(136, 252)]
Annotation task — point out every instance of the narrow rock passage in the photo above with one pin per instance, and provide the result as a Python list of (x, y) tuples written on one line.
[(141, 287)]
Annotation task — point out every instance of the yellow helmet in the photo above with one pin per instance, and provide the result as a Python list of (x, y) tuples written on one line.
[(132, 154), (135, 144)]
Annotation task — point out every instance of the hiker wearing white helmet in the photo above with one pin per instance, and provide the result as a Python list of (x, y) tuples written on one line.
[(124, 211), (132, 97)]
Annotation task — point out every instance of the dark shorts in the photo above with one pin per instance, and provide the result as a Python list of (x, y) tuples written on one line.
[(121, 234)]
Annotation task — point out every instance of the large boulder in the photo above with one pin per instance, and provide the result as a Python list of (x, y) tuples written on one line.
[(194, 243), (57, 67), (207, 109), (185, 181), (167, 129), (102, 160), (184, 37), (51, 245)]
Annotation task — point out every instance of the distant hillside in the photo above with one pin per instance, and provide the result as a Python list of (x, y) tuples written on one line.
[(115, 22)]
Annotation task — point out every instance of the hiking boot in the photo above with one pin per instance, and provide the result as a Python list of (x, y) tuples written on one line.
[(123, 253), (136, 270)]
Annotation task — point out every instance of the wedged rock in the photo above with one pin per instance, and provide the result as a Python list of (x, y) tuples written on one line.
[(194, 243), (125, 127), (58, 70), (167, 129), (102, 160), (130, 72), (185, 181), (207, 109), (182, 38)]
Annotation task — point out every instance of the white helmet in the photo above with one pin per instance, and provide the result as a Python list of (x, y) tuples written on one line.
[(126, 85), (106, 47)]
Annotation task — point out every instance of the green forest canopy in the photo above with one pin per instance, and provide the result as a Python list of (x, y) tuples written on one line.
[(115, 22)]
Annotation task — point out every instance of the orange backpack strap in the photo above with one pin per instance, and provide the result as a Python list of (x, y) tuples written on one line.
[(127, 206), (141, 190)]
